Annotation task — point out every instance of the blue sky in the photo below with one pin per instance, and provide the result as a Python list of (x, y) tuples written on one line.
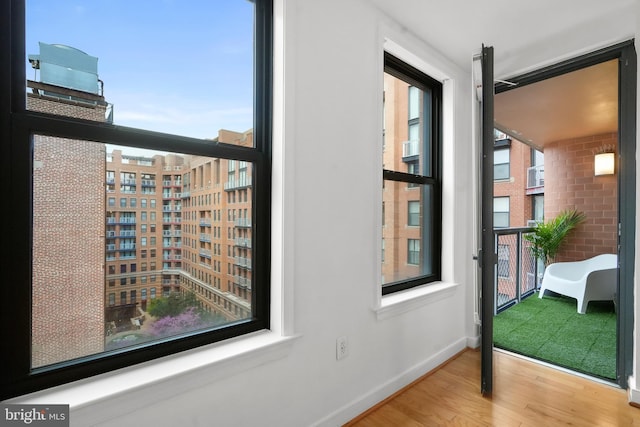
[(165, 66)]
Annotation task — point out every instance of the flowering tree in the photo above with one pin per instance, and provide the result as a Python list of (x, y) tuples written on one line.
[(188, 320)]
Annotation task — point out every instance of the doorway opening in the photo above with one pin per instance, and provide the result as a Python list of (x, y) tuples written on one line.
[(550, 126)]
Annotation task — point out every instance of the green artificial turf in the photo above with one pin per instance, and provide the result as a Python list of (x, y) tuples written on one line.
[(551, 329)]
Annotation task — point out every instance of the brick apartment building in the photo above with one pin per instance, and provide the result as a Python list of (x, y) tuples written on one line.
[(179, 223), (113, 231), (68, 212)]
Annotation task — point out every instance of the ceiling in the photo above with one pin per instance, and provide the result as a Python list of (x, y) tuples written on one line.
[(576, 104), (527, 36), (523, 31)]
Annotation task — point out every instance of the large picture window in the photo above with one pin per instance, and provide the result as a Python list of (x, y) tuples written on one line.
[(412, 177), (90, 117)]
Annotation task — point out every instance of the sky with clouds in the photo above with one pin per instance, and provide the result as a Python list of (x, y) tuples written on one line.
[(173, 66)]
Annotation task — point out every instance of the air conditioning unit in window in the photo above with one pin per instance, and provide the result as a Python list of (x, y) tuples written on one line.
[(532, 222)]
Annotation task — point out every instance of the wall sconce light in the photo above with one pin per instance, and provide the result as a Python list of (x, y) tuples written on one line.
[(604, 164)]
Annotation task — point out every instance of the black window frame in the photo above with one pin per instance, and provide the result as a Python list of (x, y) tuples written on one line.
[(17, 125), (432, 179)]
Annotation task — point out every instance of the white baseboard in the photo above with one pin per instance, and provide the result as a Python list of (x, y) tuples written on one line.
[(370, 399), (633, 394), (474, 342)]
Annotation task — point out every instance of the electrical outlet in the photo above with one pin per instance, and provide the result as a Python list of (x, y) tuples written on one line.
[(342, 348)]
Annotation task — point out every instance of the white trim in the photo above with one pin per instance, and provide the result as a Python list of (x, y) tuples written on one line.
[(94, 400), (375, 396), (411, 299)]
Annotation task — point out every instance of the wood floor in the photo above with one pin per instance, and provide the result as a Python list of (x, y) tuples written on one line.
[(524, 394)]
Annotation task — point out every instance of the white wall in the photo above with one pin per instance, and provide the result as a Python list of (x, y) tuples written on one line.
[(327, 251), (327, 245)]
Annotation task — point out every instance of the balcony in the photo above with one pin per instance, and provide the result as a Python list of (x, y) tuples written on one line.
[(243, 222), (410, 150), (205, 222), (243, 262), (237, 184), (127, 233), (242, 281), (535, 180), (148, 183), (128, 247), (205, 237), (205, 253), (242, 242)]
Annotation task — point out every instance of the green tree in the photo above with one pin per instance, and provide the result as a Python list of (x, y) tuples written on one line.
[(173, 304), (547, 237)]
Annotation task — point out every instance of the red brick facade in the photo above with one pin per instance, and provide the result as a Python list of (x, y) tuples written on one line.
[(570, 184), (68, 244), (520, 204)]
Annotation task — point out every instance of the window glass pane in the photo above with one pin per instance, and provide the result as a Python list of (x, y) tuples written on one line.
[(407, 250), (162, 66), (414, 102), (500, 156), (501, 171), (76, 234), (500, 212), (501, 204), (401, 129)]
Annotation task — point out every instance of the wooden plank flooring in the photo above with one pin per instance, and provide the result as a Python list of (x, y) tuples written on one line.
[(524, 394)]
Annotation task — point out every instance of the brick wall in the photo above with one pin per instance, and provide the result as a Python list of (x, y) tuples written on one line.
[(66, 108), (515, 187), (68, 249), (68, 241), (570, 184)]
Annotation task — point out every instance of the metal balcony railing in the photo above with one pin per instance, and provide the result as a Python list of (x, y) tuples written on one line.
[(516, 271)]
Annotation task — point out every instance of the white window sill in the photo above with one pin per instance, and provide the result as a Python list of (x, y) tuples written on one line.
[(178, 373), (404, 301)]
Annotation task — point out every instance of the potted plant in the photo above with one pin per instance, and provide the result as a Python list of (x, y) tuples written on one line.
[(547, 237)]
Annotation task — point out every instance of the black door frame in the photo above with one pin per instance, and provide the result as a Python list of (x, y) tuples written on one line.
[(487, 254), (626, 55)]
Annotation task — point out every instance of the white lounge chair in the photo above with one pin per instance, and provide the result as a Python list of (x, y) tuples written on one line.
[(593, 279)]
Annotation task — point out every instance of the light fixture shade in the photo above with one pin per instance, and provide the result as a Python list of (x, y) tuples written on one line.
[(604, 164)]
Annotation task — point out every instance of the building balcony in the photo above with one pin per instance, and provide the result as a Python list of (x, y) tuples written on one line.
[(185, 194), (242, 281), (205, 222), (127, 233), (243, 222), (148, 183), (243, 262), (205, 237), (130, 247), (410, 150), (237, 184), (535, 180), (242, 242), (205, 253)]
